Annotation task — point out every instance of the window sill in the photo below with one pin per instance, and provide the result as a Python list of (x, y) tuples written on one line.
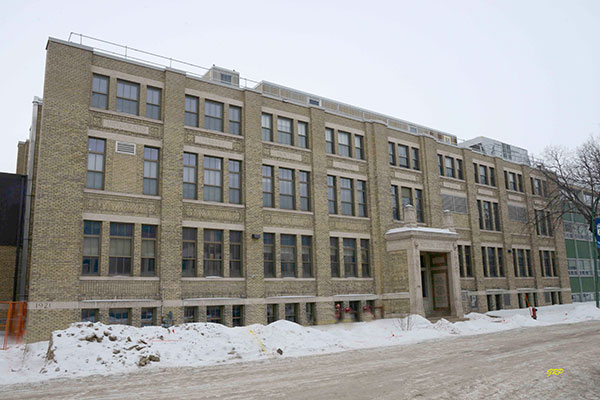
[(118, 278), (469, 278), (203, 130), (449, 178), (350, 217), (398, 168), (487, 231), (211, 279), (116, 113), (139, 196), (213, 203), (489, 278), (481, 185), (351, 278), (288, 211), (524, 277), (287, 146), (346, 158), (515, 192), (288, 279)]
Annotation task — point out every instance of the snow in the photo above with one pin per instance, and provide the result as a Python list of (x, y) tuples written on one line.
[(88, 349)]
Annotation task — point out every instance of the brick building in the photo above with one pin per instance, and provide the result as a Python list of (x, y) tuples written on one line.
[(164, 194)]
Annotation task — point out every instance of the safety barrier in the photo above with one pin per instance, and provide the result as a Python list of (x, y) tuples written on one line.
[(13, 315)]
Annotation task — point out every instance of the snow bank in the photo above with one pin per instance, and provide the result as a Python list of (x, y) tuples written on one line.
[(86, 349)]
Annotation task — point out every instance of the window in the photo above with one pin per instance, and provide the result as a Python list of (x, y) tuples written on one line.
[(510, 180), (543, 223), (214, 314), (266, 121), (121, 238), (331, 194), (365, 259), (191, 111), (235, 182), (359, 147), (392, 153), (100, 91), (150, 171), (538, 187), (522, 263), (307, 269), (492, 177), (128, 95), (153, 97), (267, 185), (347, 196), (213, 115), (237, 315), (89, 315), (213, 179), (288, 256), (350, 268), (235, 120), (416, 161), (286, 189), (489, 215), (272, 313), (403, 156), (344, 144), (304, 190), (119, 316), (459, 169), (406, 197), (549, 263), (493, 262), (269, 254), (235, 254), (419, 205), (148, 250), (148, 317), (190, 314), (450, 172), (440, 164), (483, 175), (91, 247), (303, 134), (464, 261), (455, 204), (188, 262), (334, 255), (310, 313), (361, 189), (284, 131), (329, 143), (395, 203), (291, 312), (213, 252), (190, 162), (95, 168)]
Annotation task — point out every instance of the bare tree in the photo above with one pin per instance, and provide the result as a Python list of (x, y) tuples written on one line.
[(574, 177)]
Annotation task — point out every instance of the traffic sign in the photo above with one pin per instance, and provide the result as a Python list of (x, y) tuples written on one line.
[(597, 232)]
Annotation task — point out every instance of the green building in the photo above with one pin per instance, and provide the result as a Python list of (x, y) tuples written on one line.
[(581, 255)]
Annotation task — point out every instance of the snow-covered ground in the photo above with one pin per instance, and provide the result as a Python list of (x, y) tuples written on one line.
[(86, 349)]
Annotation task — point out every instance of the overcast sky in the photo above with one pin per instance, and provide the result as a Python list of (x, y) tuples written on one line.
[(523, 72)]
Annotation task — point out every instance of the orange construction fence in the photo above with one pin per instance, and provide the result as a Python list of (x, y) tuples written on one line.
[(12, 321)]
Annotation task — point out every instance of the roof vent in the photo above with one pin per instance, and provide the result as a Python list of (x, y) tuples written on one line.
[(223, 76), (125, 148)]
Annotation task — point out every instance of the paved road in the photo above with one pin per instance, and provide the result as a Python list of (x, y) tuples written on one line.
[(506, 365)]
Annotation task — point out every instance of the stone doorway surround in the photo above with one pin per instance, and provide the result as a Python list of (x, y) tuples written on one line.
[(412, 240)]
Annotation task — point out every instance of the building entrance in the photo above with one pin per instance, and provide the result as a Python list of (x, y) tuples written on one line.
[(435, 284)]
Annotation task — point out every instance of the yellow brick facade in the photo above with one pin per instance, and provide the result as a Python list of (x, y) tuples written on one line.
[(58, 290)]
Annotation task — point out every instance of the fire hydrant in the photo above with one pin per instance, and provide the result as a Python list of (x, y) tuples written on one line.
[(533, 312)]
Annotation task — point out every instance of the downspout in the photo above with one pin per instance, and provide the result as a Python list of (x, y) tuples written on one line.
[(23, 267)]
